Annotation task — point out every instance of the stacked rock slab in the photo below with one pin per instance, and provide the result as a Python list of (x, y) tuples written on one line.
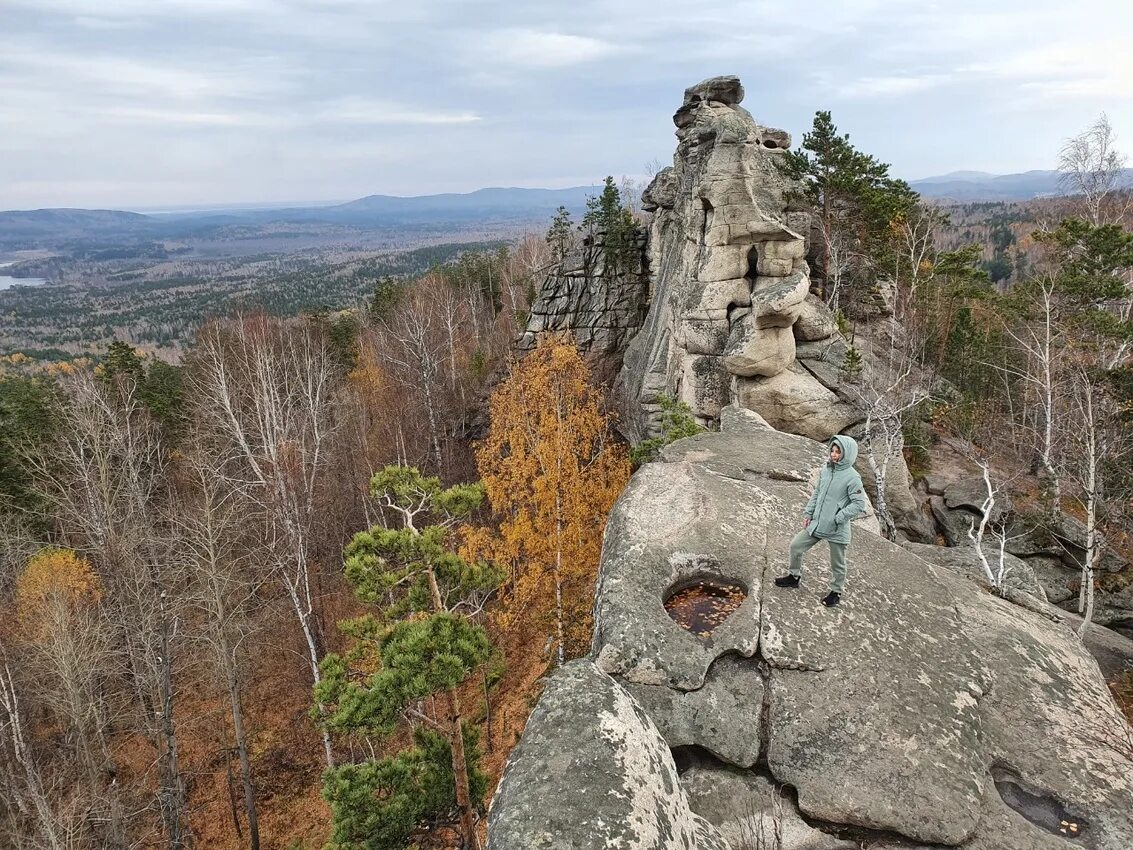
[(601, 307), (730, 282), (921, 712)]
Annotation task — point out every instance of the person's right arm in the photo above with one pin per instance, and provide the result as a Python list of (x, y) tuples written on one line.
[(808, 511)]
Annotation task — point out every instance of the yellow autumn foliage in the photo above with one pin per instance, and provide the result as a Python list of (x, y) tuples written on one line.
[(551, 469), (54, 580)]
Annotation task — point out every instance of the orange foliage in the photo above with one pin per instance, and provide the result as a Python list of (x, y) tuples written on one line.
[(54, 579), (551, 470)]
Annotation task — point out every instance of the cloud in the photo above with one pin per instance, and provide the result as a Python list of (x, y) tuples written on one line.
[(103, 74), (528, 48), (1094, 67), (241, 98), (363, 110), (891, 86), (151, 116)]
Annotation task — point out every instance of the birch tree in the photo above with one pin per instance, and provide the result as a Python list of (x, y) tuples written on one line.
[(1099, 445), (1040, 339), (977, 533), (264, 391), (105, 477), (552, 470), (1093, 170), (214, 548), (22, 780)]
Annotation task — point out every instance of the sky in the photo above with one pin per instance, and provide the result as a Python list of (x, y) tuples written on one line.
[(130, 104)]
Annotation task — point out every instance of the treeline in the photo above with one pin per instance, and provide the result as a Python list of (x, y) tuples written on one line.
[(184, 659)]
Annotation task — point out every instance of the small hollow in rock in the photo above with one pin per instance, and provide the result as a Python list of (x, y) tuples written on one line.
[(701, 604), (1043, 811)]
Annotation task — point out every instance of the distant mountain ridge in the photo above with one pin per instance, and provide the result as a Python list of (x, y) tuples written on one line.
[(40, 228), (35, 228), (982, 186)]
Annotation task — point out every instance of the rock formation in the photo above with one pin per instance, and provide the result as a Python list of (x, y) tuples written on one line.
[(1045, 554), (921, 712), (730, 282)]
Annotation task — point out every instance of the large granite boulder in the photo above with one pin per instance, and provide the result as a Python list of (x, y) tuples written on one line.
[(923, 711), (970, 494), (592, 772), (1056, 549)]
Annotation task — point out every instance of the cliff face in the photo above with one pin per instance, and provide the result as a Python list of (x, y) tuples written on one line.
[(601, 307), (921, 711)]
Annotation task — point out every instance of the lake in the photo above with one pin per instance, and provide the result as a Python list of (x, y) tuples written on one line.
[(7, 282)]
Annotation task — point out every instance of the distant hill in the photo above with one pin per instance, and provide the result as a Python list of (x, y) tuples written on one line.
[(493, 201), (44, 228), (981, 186)]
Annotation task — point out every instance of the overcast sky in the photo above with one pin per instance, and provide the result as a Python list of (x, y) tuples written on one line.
[(136, 103)]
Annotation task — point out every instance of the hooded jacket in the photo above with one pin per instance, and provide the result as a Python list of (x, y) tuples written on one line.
[(839, 496)]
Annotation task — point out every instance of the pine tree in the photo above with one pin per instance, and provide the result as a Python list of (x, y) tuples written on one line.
[(420, 645), (607, 215), (559, 237), (855, 197)]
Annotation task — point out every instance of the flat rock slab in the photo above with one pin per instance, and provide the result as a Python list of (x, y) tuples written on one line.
[(677, 522), (592, 773), (1049, 719), (720, 505), (892, 645), (923, 711)]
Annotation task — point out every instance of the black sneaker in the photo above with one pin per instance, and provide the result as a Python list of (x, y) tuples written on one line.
[(831, 599), (787, 581)]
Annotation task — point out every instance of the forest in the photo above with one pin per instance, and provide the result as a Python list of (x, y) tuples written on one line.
[(298, 589)]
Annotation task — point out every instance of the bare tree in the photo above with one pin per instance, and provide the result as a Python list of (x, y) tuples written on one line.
[(105, 477), (1039, 338), (264, 391), (916, 251), (996, 575), (890, 387), (838, 257), (21, 780), (1094, 169), (216, 552), (1097, 441)]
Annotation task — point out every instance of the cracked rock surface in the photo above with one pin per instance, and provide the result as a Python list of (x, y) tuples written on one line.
[(889, 719), (593, 772)]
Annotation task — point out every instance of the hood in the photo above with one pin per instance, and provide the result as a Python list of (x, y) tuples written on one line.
[(849, 448)]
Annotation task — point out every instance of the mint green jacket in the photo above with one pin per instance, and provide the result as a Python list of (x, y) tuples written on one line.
[(839, 496)]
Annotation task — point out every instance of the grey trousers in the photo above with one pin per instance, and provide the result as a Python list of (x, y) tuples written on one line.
[(803, 542)]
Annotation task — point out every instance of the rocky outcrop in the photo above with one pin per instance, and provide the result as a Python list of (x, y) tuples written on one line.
[(731, 319), (1049, 550), (600, 306), (922, 711), (729, 278)]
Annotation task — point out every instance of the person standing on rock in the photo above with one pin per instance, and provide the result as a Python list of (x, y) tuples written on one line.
[(836, 501)]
